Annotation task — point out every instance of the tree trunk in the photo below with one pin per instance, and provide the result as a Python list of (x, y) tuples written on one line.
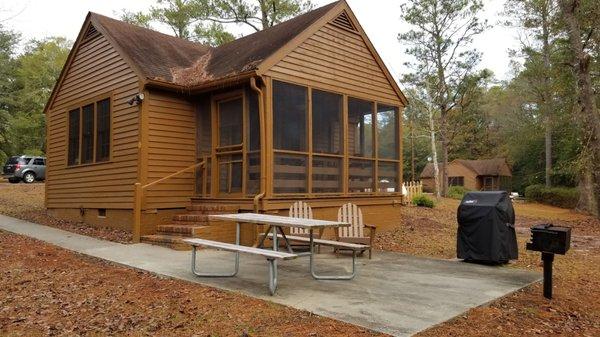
[(548, 141), (412, 149), (436, 169), (547, 92), (444, 141), (589, 118)]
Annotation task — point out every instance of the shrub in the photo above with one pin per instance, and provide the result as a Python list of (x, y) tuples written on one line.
[(566, 197), (423, 201), (457, 192)]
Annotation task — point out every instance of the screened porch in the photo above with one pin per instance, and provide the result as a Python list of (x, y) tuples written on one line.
[(318, 144)]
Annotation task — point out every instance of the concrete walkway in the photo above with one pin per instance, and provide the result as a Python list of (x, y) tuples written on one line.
[(393, 293)]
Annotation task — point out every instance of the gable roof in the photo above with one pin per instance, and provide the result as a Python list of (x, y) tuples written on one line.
[(167, 60), (481, 167)]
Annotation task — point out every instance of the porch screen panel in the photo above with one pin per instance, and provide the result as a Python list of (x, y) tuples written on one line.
[(230, 173), (253, 122), (103, 130), (360, 176), (326, 122), (73, 156), (87, 134), (326, 174), (290, 173), (387, 132), (230, 122), (289, 116), (360, 128), (388, 177), (253, 154)]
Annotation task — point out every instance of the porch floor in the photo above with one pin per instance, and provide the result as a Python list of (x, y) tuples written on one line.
[(392, 293)]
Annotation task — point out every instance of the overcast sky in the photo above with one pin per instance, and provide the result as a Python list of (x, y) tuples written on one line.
[(380, 18)]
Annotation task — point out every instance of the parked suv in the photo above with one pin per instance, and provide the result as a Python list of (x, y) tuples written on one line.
[(26, 168)]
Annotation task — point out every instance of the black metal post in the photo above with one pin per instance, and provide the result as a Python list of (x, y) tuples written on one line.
[(548, 258)]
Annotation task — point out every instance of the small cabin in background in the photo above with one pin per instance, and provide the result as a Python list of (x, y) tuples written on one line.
[(305, 110), (475, 175)]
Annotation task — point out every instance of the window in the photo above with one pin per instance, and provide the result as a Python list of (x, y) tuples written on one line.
[(74, 137), (103, 130), (89, 133), (38, 161), (326, 122), (456, 181), (230, 173), (326, 174), (387, 132), (102, 212), (289, 116), (360, 128)]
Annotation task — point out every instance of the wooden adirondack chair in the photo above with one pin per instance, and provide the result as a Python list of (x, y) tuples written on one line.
[(302, 210), (356, 232)]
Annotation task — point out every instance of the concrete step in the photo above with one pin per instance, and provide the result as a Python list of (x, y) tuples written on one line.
[(183, 230), (169, 241)]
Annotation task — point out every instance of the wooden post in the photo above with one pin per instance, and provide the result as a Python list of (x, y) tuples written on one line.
[(137, 212)]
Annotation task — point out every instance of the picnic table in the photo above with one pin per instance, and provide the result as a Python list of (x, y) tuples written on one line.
[(275, 231)]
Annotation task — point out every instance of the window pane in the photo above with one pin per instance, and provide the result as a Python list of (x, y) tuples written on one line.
[(230, 122), (360, 128), (253, 122), (388, 177), (38, 161), (87, 134), (290, 173), (253, 179), (73, 158), (360, 176), (327, 175), (103, 130), (326, 122), (456, 181), (289, 116), (387, 132)]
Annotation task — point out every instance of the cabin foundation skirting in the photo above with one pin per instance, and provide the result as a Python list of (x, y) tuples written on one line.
[(116, 218)]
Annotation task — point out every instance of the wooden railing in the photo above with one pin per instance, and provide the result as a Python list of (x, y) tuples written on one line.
[(138, 197), (411, 189)]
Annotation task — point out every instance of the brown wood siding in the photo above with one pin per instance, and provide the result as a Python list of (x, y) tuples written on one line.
[(336, 59), (96, 71), (171, 148)]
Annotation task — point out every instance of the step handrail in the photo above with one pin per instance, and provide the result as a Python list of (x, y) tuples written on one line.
[(138, 196)]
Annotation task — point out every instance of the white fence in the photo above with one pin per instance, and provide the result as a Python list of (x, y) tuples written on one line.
[(411, 189)]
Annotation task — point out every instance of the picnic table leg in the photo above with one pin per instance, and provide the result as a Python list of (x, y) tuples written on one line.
[(272, 276), (328, 277), (195, 271)]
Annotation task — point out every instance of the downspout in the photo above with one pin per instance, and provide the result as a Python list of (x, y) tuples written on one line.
[(261, 122)]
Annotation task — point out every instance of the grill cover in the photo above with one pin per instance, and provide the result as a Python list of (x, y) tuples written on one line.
[(486, 231)]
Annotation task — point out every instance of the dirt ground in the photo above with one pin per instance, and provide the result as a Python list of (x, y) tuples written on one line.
[(26, 201), (575, 309), (47, 291)]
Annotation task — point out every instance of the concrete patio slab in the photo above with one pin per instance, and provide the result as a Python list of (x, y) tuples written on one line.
[(393, 293)]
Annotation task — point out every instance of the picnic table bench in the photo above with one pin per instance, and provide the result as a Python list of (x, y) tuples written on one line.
[(269, 254), (275, 224)]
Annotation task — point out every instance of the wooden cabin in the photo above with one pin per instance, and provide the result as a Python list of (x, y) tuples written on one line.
[(474, 175), (305, 110)]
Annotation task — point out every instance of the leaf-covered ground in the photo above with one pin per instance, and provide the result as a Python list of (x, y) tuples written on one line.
[(575, 309), (45, 290), (48, 291), (26, 201)]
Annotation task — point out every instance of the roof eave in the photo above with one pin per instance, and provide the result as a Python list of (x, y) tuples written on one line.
[(198, 88)]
